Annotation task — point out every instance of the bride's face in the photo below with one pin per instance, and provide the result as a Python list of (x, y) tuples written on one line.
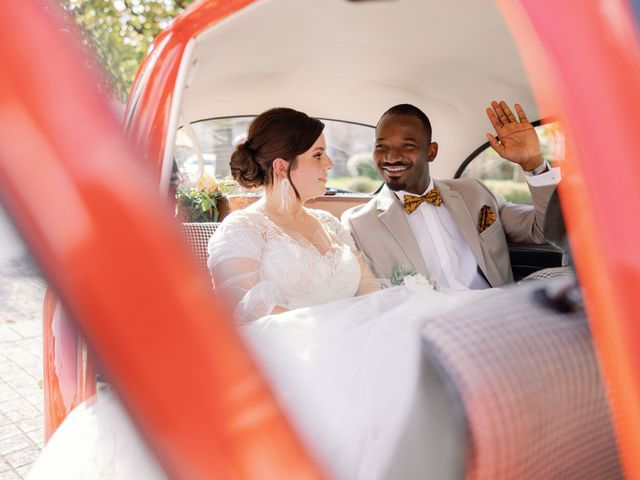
[(310, 173)]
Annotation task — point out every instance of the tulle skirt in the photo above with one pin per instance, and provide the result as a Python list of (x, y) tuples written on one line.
[(347, 372)]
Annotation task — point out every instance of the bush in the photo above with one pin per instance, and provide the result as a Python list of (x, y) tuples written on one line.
[(516, 192), (361, 165), (362, 184)]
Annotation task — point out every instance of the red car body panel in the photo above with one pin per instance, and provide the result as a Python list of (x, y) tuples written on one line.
[(68, 376), (147, 116)]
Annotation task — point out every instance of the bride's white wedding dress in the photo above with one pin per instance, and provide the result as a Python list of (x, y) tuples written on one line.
[(257, 266), (344, 365)]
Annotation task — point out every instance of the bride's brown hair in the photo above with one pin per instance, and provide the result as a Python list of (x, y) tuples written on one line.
[(277, 133)]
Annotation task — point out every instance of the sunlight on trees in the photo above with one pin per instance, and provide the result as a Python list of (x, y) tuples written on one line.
[(119, 32)]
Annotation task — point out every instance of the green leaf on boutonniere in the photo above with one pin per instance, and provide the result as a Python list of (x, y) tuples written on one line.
[(399, 272)]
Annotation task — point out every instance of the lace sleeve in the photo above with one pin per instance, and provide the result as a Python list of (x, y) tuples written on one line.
[(337, 229), (235, 253), (368, 281), (334, 226)]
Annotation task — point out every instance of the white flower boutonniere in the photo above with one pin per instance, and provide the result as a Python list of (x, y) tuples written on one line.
[(414, 281), (399, 273)]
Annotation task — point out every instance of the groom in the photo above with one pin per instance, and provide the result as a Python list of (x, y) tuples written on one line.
[(452, 231)]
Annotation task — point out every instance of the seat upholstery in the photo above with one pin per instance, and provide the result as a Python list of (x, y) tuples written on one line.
[(197, 236), (528, 381), (547, 273)]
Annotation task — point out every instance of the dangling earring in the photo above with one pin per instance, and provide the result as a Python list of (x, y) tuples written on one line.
[(284, 195)]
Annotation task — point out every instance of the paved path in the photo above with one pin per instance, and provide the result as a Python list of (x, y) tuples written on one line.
[(21, 396)]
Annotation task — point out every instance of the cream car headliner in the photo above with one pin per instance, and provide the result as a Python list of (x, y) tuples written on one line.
[(352, 60)]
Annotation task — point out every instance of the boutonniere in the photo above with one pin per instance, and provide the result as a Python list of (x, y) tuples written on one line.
[(486, 218), (414, 281)]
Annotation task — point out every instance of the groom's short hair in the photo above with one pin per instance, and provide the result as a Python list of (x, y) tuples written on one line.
[(408, 109)]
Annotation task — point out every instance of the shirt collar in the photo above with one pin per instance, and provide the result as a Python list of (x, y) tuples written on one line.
[(401, 193)]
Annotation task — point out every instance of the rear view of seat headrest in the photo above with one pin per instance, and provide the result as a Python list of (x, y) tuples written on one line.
[(510, 389), (528, 380)]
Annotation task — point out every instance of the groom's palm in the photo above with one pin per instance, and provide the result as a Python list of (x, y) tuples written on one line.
[(518, 141)]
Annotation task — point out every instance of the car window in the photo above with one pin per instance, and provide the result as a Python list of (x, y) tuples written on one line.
[(506, 178), (350, 146)]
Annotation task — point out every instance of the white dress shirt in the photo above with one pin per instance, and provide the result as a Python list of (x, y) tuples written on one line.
[(447, 256)]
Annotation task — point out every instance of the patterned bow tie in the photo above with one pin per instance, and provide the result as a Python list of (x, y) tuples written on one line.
[(412, 202)]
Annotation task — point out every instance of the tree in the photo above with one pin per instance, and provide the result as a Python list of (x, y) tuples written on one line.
[(119, 32)]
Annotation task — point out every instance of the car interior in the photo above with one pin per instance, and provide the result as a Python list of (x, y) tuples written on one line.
[(355, 76)]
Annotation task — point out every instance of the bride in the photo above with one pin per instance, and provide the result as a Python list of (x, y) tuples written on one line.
[(341, 354)]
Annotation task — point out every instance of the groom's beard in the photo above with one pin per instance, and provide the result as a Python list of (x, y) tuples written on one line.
[(412, 180), (396, 184)]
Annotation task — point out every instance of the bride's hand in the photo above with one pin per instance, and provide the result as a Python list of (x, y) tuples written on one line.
[(368, 281), (278, 309)]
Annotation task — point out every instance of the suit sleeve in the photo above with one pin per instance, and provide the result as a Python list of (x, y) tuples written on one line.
[(348, 226), (525, 223)]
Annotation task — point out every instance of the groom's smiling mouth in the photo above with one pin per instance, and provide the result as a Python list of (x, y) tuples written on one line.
[(394, 169)]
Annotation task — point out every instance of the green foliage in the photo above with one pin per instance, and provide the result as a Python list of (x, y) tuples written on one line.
[(363, 185), (199, 203), (399, 272), (516, 192), (354, 184), (361, 164), (119, 32)]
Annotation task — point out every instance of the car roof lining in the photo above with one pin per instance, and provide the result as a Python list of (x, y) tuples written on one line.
[(333, 59)]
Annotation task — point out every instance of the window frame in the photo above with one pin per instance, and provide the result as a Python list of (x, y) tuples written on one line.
[(473, 155)]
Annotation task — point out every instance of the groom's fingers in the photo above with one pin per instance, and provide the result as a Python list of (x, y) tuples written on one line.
[(507, 111), (521, 114), (500, 112), (497, 146), (497, 124)]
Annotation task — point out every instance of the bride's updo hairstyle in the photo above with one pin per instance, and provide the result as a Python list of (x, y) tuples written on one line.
[(277, 133)]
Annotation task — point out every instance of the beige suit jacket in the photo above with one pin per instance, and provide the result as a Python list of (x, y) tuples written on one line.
[(381, 230)]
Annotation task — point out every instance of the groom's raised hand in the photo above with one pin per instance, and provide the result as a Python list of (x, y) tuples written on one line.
[(517, 139)]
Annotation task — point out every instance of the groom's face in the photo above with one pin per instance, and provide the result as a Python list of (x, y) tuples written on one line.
[(402, 153)]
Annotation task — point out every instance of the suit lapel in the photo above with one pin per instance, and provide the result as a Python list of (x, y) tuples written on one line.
[(463, 219), (392, 215)]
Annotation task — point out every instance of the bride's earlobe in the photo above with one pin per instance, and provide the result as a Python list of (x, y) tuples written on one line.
[(279, 168)]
